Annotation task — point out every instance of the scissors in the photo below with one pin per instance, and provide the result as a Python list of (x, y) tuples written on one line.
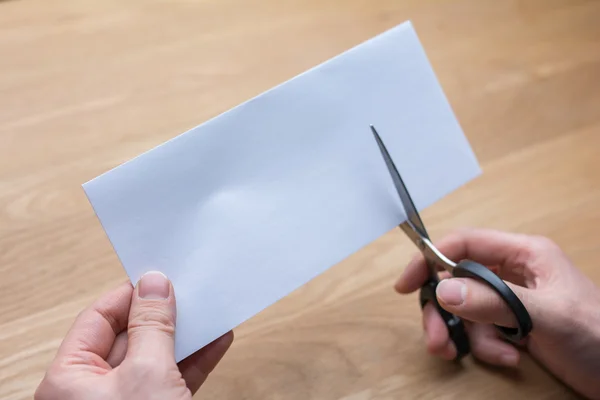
[(414, 228)]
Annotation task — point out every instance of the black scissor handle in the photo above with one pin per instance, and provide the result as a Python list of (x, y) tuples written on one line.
[(456, 327), (471, 269)]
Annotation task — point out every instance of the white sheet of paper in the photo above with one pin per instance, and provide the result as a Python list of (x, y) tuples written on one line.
[(247, 207)]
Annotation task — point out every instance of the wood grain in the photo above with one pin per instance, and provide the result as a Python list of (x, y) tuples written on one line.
[(87, 85)]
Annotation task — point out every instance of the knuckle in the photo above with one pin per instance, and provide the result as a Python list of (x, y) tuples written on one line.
[(463, 231), (455, 238), (532, 249), (529, 251), (82, 315), (153, 318), (106, 315), (536, 251), (544, 244), (458, 234)]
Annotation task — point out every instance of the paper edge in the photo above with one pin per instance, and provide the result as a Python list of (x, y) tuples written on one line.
[(403, 25), (406, 25)]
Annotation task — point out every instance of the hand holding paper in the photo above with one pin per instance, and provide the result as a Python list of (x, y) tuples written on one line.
[(245, 208)]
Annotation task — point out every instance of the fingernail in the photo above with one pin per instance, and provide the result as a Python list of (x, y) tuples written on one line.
[(452, 292), (509, 360), (154, 285)]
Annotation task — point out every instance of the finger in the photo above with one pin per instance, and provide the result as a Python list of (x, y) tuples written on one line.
[(196, 368), (414, 275), (475, 301), (510, 255), (151, 329), (118, 351), (437, 337), (444, 275), (90, 339), (449, 352), (485, 246), (489, 348)]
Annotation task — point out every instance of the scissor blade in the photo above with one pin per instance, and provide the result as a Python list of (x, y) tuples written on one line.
[(407, 202)]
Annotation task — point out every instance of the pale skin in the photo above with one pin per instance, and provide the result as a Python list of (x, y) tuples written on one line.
[(563, 303), (122, 347)]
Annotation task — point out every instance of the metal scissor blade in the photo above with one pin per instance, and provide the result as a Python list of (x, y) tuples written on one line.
[(409, 207)]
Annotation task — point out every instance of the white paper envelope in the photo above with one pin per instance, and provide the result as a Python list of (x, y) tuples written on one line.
[(245, 208)]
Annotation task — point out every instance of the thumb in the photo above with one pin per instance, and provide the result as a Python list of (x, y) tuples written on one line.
[(151, 327), (475, 301)]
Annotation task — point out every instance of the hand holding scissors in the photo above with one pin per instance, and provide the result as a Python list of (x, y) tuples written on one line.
[(414, 228)]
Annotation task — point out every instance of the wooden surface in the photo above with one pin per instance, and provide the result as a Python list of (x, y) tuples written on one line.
[(86, 85)]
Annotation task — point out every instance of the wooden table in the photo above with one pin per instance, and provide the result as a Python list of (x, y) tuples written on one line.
[(87, 85)]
